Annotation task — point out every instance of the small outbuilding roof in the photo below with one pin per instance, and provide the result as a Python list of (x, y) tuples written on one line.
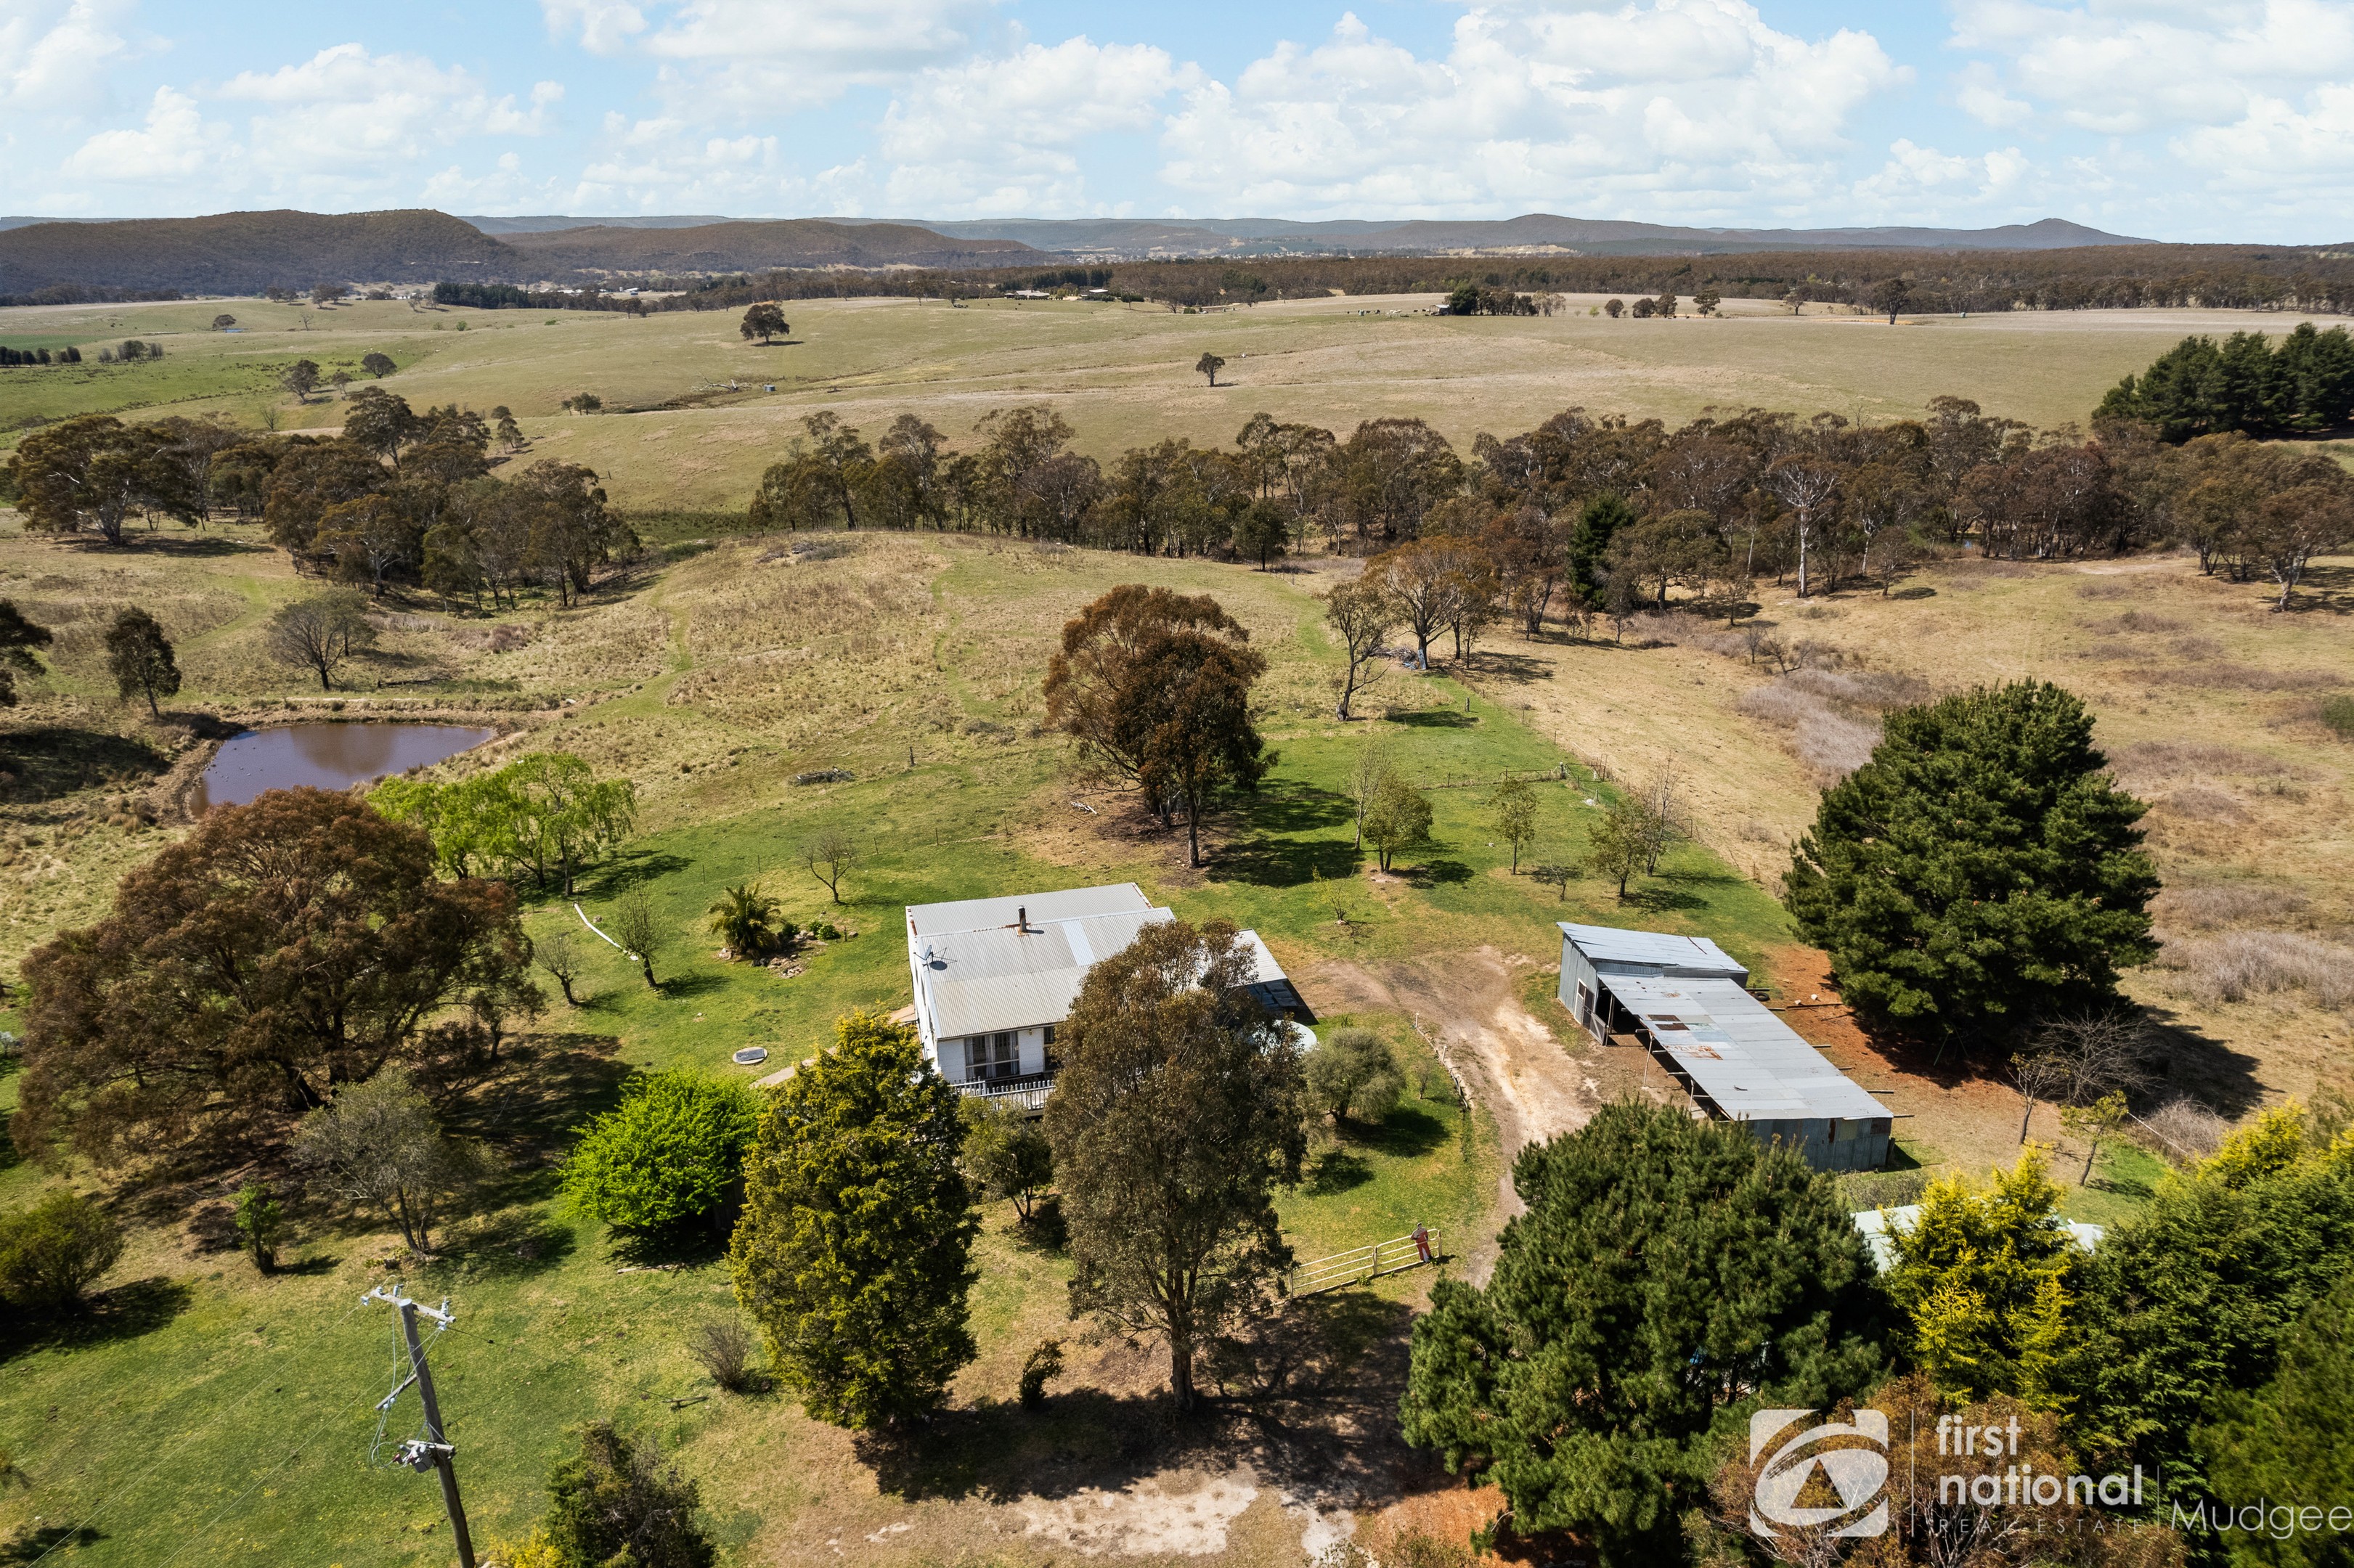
[(1656, 950), (1751, 1064), (1878, 1224)]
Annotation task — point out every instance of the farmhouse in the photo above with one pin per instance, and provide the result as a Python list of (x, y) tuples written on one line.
[(994, 977), (1687, 1002)]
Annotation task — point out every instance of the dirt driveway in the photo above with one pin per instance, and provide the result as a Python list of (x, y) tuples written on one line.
[(1531, 1084)]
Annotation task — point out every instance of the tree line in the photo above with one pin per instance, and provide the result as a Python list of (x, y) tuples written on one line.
[(2246, 384), (399, 498), (2109, 276), (1585, 512)]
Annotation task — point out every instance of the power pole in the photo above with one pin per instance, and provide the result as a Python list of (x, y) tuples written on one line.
[(436, 1450)]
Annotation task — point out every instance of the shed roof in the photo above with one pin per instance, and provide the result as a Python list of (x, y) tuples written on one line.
[(1684, 955), (1069, 903), (1753, 1065), (1877, 1223)]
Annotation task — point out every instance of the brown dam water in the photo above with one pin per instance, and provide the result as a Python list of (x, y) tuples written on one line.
[(325, 757)]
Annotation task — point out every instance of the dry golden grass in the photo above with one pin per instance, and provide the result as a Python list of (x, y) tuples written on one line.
[(1121, 375), (2203, 699)]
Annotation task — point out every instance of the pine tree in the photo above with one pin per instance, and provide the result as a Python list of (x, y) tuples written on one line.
[(1981, 871), (854, 1252), (1666, 1270)]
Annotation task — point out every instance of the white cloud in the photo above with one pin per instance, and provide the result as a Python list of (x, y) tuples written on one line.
[(1000, 135), (1685, 110), (1921, 185), (174, 143), (2277, 145), (664, 165), (762, 57), (56, 57), (348, 120), (2123, 66), (603, 27)]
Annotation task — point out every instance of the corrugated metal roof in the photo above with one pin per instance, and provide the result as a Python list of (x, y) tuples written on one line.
[(980, 980), (1068, 904), (1609, 945), (1753, 1065)]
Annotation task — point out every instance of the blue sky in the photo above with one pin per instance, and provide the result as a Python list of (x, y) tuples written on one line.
[(2164, 118)]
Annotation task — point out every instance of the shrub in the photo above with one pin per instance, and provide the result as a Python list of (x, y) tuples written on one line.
[(2338, 714), (1007, 1153), (669, 1151), (745, 918), (1352, 1077), (54, 1251), (618, 1504), (259, 1222), (1043, 1365), (724, 1345), (2236, 965)]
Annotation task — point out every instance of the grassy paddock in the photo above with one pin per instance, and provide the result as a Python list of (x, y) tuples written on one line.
[(691, 422)]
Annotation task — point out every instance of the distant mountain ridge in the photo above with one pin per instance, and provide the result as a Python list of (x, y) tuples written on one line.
[(755, 246), (243, 252)]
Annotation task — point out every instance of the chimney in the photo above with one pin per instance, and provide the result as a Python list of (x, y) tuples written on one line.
[(1022, 918)]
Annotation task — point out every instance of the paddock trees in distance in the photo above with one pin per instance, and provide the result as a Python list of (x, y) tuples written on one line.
[(764, 322), (319, 633), (854, 1251), (1666, 1271), (139, 656), (1209, 365), (19, 635), (93, 472), (301, 379), (1176, 1113), (377, 365), (1981, 872), (284, 948)]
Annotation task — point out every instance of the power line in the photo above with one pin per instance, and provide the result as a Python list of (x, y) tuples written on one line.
[(170, 1449), (436, 1449)]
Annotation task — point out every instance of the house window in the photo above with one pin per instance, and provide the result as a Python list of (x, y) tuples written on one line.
[(992, 1057)]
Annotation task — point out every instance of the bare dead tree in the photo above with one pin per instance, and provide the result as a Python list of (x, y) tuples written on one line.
[(830, 856)]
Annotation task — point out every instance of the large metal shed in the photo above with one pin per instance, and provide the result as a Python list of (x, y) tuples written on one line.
[(1687, 1001)]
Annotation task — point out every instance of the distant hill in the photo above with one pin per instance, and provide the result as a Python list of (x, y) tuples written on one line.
[(545, 225), (1138, 238), (241, 252), (754, 247)]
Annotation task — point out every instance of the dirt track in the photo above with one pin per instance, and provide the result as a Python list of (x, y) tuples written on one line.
[(1468, 1005)]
